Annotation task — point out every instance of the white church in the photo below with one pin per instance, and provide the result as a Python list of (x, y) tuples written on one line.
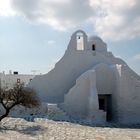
[(90, 83)]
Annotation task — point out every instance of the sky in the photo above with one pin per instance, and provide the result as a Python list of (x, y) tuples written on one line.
[(34, 34)]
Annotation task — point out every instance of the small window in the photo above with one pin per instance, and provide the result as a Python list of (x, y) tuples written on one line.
[(18, 80), (30, 80), (93, 47)]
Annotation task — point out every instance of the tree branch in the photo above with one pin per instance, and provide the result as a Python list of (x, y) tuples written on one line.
[(3, 104), (18, 95)]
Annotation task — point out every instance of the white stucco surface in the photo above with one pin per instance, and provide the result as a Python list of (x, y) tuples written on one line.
[(89, 82), (127, 96), (69, 68), (9, 80)]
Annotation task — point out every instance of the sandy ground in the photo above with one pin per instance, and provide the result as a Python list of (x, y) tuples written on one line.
[(44, 129)]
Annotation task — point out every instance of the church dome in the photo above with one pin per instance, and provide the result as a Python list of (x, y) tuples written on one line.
[(95, 38), (98, 42)]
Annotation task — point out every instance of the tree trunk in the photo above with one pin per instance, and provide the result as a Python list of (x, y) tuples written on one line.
[(5, 115)]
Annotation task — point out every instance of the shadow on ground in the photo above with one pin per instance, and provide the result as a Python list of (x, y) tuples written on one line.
[(25, 129), (31, 118)]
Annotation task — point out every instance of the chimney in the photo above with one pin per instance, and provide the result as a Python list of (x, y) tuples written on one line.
[(15, 72)]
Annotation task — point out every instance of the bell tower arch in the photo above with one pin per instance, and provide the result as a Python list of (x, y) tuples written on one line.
[(78, 41)]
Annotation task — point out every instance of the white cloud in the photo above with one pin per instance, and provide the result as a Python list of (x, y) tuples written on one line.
[(136, 57), (60, 14), (111, 19), (119, 19), (6, 8)]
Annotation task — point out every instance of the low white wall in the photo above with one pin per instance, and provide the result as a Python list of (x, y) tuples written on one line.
[(82, 99), (76, 101), (126, 98), (129, 97)]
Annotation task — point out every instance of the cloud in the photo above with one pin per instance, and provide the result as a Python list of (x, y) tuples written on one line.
[(119, 19), (6, 8), (60, 14), (111, 19), (51, 42), (136, 57)]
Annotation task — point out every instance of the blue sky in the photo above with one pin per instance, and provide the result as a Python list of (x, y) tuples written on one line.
[(34, 33)]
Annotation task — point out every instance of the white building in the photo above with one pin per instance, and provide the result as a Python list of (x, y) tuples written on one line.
[(9, 80), (90, 83)]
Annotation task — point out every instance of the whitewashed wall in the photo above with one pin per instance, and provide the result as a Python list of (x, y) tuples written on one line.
[(9, 80), (54, 85), (127, 96), (70, 79)]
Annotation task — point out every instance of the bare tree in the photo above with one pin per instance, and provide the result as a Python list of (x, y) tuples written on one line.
[(18, 95)]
